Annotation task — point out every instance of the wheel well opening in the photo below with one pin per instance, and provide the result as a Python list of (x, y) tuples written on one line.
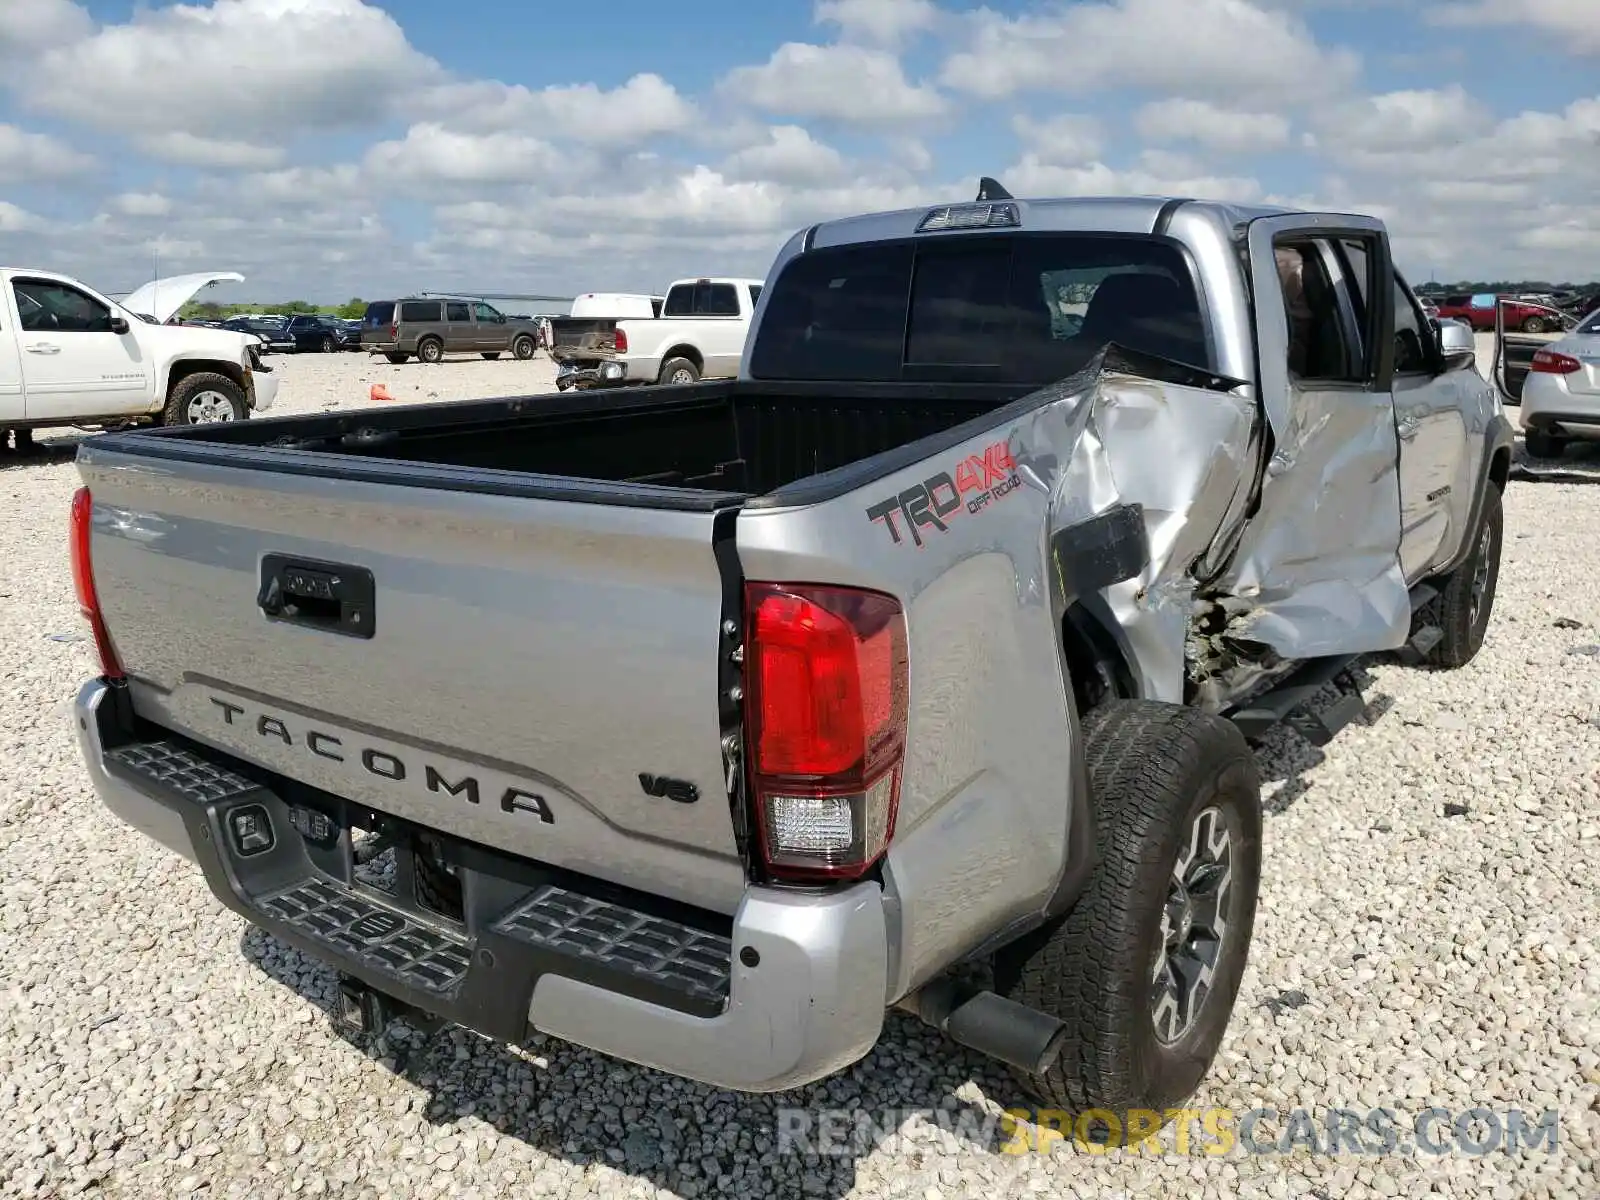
[(688, 352), (182, 371), (1098, 669), (1500, 469)]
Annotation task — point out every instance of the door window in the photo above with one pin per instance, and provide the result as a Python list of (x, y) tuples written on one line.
[(1325, 312), (488, 314), (1412, 334), (56, 308), (457, 312)]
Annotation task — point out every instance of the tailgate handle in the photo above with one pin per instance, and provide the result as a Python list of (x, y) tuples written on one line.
[(320, 595)]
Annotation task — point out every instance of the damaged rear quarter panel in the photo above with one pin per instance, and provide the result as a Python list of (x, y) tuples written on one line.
[(989, 751)]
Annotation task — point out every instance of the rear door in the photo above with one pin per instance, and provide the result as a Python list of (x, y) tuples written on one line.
[(461, 332), (518, 665), (1320, 559)]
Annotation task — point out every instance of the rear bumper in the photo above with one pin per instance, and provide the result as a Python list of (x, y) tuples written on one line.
[(791, 990), (1548, 403)]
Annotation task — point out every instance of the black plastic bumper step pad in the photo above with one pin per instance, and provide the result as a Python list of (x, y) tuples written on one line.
[(416, 954), (665, 952), (180, 770)]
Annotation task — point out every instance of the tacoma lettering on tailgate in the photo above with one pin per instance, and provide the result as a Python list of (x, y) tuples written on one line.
[(979, 480), (379, 763)]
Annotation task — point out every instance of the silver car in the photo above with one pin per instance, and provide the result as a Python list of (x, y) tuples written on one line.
[(1561, 396)]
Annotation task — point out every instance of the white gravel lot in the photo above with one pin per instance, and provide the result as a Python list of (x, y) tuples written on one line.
[(152, 1045)]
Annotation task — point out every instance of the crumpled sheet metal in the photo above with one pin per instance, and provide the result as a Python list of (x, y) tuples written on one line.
[(1315, 571), (1319, 565), (1181, 451)]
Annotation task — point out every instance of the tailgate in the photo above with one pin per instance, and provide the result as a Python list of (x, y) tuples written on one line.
[(580, 336), (530, 671)]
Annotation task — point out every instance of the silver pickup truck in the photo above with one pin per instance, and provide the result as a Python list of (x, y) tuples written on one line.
[(914, 668)]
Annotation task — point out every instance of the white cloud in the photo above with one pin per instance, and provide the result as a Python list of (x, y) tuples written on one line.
[(18, 220), (430, 153), (235, 70), (644, 107), (1156, 175), (846, 83), (884, 21), (1575, 23), (29, 26), (187, 150), (1223, 130), (1064, 140), (28, 157), (788, 155), (141, 204), (1229, 49)]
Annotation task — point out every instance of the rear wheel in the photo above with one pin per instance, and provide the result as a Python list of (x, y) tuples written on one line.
[(397, 359), (1534, 325), (430, 350), (1145, 967), (524, 347), (678, 371), (1466, 596), (1541, 443), (204, 398), (491, 355)]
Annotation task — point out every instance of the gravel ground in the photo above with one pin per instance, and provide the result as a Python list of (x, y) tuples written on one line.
[(152, 1045)]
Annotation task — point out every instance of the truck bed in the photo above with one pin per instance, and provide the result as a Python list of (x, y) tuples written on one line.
[(699, 446)]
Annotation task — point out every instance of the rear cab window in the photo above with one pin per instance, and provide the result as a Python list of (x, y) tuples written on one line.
[(702, 299), (1009, 309)]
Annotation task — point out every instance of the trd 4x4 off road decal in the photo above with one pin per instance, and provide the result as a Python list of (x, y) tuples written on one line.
[(979, 480)]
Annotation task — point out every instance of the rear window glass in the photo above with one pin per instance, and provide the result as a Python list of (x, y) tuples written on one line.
[(380, 313), (1030, 309), (702, 300), (420, 310), (1591, 324)]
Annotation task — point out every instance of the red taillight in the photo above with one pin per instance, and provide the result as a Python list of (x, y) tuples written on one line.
[(825, 719), (83, 581), (394, 332), (621, 341), (1549, 362)]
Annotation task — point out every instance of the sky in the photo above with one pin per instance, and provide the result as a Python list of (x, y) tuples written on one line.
[(335, 148)]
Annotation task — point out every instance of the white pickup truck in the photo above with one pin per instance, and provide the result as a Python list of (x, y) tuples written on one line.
[(71, 356), (700, 334)]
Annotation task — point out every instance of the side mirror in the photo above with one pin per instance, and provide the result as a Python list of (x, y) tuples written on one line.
[(1457, 345), (119, 325)]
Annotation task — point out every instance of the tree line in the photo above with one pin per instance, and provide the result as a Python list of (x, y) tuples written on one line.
[(204, 310)]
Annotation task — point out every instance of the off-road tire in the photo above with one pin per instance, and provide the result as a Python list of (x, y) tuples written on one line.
[(1452, 610), (177, 410), (674, 366), (491, 355), (430, 351), (1541, 443), (397, 359), (524, 347), (1153, 769)]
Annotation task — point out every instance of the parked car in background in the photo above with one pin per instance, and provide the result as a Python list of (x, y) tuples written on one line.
[(324, 334), (428, 329), (700, 334), (263, 329), (1557, 383), (1478, 311), (70, 356)]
